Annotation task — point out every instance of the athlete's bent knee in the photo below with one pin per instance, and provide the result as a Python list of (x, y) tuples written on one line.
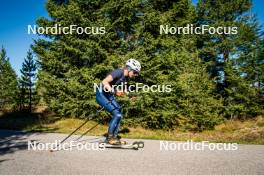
[(117, 114)]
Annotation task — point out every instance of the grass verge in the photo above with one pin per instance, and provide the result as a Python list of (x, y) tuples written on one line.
[(243, 132)]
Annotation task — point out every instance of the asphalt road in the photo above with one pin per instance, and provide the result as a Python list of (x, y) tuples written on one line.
[(156, 157)]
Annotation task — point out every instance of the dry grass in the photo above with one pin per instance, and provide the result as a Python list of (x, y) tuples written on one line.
[(69, 125), (248, 132)]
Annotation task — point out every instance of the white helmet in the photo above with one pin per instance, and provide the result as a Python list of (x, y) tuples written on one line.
[(134, 65)]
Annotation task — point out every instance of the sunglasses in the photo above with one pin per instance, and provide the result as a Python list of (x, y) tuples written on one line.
[(135, 72)]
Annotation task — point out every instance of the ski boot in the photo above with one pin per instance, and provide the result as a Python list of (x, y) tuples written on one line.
[(122, 142), (114, 140)]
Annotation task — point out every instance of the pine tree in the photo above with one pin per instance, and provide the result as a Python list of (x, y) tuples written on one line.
[(231, 56), (27, 80), (259, 72), (173, 60), (8, 83), (70, 64)]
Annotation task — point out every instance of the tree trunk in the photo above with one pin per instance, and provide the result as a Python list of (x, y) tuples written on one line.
[(30, 96)]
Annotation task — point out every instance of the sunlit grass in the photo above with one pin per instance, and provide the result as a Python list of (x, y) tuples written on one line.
[(246, 132), (250, 131)]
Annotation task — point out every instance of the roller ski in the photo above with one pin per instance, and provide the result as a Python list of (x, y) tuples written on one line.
[(121, 144)]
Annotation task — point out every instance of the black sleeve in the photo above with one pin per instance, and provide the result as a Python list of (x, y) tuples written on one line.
[(116, 74)]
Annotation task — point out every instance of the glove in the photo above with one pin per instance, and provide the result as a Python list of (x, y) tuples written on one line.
[(120, 94)]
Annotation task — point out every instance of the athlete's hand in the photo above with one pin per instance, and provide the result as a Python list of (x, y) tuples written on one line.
[(120, 94)]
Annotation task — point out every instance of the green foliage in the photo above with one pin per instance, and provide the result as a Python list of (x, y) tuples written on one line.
[(27, 80), (233, 60), (8, 83), (244, 94), (71, 64)]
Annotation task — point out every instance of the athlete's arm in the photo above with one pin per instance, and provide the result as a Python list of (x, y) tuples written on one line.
[(106, 83), (114, 75)]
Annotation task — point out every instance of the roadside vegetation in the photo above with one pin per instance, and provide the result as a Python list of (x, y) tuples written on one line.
[(217, 80), (250, 131)]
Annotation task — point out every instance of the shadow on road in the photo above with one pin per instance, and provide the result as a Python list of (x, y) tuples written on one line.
[(11, 141)]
